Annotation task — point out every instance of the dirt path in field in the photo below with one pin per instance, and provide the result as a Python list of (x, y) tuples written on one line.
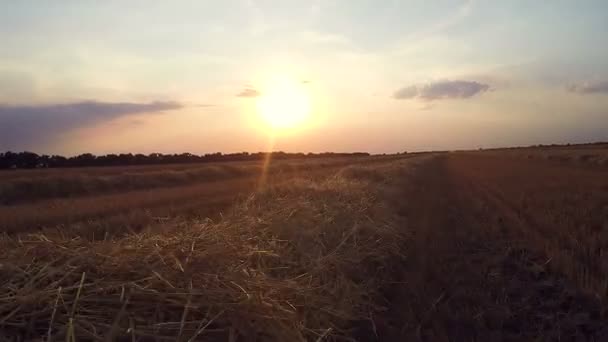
[(482, 265)]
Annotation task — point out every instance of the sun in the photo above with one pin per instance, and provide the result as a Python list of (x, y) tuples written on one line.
[(284, 104)]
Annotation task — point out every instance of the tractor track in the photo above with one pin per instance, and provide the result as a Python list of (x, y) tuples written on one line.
[(477, 269)]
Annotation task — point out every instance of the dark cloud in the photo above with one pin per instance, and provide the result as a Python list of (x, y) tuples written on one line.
[(438, 90), (249, 92), (27, 126), (589, 88)]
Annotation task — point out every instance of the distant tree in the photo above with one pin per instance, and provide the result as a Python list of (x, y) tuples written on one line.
[(25, 160), (32, 160), (85, 159)]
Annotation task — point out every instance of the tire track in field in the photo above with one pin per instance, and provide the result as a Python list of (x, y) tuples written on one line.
[(541, 303), (470, 277)]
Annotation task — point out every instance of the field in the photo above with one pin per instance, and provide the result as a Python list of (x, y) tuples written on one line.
[(495, 245)]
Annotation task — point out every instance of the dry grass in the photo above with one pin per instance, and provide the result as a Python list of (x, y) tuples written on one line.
[(297, 261), (26, 189), (559, 210), (503, 249), (25, 186), (587, 156), (461, 246), (197, 198), (156, 202)]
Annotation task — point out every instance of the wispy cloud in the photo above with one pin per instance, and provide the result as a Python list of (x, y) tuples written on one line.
[(26, 126), (408, 92), (249, 92), (589, 88), (457, 89)]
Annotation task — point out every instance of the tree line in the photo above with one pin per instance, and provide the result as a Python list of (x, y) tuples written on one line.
[(30, 160)]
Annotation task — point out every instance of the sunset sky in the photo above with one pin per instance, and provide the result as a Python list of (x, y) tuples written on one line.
[(377, 76)]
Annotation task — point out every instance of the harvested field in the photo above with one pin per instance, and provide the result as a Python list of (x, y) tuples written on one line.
[(504, 249), (466, 246), (33, 185), (591, 155)]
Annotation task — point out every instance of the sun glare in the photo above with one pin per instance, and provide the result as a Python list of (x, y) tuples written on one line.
[(284, 104)]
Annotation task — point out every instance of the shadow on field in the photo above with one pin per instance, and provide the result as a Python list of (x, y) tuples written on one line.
[(466, 276)]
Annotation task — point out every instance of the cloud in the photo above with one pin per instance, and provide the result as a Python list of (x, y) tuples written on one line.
[(438, 90), (249, 92), (589, 88), (24, 126), (408, 92)]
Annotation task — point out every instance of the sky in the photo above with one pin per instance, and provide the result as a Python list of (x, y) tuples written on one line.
[(379, 76)]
